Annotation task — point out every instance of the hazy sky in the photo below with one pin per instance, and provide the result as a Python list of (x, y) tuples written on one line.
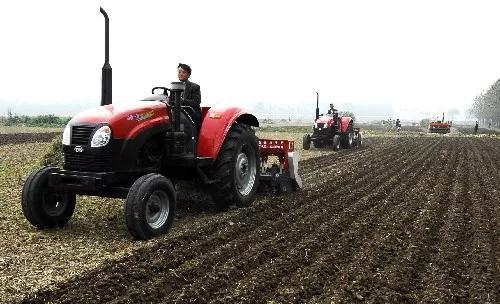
[(431, 55)]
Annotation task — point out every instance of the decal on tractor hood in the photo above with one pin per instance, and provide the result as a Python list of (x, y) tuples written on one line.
[(141, 116)]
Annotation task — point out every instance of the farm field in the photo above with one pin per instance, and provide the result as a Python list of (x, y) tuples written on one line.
[(405, 218)]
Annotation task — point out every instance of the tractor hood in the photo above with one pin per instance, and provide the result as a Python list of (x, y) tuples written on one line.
[(125, 120), (324, 119)]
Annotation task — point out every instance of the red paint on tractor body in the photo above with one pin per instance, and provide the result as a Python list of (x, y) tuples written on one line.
[(126, 120), (129, 120), (214, 128)]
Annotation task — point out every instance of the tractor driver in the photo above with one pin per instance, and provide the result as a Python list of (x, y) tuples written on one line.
[(334, 113), (192, 94)]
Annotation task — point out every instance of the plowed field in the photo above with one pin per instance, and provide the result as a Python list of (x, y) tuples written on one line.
[(400, 220), (18, 138)]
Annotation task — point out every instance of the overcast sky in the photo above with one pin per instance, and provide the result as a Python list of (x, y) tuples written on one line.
[(430, 55)]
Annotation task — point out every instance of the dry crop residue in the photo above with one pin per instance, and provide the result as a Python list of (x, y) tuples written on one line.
[(399, 220)]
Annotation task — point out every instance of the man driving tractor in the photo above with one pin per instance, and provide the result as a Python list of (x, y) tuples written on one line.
[(192, 94)]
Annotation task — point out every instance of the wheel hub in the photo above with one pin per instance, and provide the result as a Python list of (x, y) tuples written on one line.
[(244, 173), (157, 209)]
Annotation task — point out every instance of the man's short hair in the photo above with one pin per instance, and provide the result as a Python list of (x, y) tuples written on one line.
[(185, 67)]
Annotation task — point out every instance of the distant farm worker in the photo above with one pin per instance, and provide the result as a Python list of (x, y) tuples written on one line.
[(476, 127), (192, 94)]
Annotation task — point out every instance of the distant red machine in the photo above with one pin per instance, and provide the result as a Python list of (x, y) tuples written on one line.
[(440, 126), (332, 130)]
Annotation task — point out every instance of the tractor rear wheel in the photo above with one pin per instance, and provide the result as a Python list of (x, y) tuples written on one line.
[(42, 206), (348, 138), (150, 206), (336, 142), (359, 141), (237, 169), (306, 142)]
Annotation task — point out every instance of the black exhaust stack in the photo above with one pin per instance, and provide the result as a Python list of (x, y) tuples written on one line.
[(317, 106), (106, 94)]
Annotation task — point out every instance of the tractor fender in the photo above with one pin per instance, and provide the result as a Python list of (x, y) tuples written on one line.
[(215, 126), (344, 123)]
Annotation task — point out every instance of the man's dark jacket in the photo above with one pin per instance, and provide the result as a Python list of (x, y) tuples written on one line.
[(192, 95)]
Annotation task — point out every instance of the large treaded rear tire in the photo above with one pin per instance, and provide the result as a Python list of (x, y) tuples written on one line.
[(240, 146), (42, 206), (348, 138), (150, 206)]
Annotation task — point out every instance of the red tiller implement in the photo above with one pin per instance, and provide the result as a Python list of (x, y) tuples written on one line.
[(279, 165)]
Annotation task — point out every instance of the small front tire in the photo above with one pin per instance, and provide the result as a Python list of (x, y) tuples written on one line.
[(306, 142), (42, 206), (150, 206)]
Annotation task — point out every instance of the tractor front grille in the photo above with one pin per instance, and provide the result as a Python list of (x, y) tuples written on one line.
[(91, 162), (321, 125), (80, 135)]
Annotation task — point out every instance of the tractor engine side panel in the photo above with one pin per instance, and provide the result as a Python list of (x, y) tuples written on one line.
[(215, 126)]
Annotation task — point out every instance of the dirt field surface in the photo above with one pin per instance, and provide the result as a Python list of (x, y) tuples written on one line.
[(19, 138), (399, 220)]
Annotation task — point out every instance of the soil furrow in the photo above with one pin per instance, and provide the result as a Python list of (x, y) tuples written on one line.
[(382, 227), (485, 278), (447, 279), (310, 281), (404, 274)]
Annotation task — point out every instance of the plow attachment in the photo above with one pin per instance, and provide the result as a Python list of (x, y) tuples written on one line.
[(279, 166)]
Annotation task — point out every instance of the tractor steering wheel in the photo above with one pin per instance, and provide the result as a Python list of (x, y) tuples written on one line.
[(163, 88)]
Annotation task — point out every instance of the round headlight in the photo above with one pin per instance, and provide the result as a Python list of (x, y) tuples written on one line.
[(101, 137), (66, 140)]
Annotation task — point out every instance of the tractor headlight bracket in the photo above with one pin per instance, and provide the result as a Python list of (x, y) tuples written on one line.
[(101, 137)]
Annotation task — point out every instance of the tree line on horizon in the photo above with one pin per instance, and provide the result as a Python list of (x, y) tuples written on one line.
[(47, 120), (486, 106)]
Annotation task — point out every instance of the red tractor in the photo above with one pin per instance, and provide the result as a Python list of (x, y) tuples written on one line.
[(332, 130), (440, 126), (138, 151)]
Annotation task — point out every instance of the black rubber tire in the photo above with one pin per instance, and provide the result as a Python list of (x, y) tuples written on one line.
[(136, 205), (336, 143), (225, 192), (359, 141), (306, 142), (348, 138), (42, 206)]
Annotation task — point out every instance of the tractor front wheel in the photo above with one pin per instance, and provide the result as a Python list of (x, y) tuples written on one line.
[(306, 142), (150, 206), (42, 206), (237, 169)]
